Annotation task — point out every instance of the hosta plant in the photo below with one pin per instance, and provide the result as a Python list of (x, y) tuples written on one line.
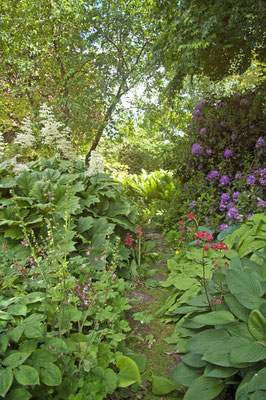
[(222, 331)]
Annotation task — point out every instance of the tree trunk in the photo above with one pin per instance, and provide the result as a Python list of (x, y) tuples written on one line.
[(104, 123)]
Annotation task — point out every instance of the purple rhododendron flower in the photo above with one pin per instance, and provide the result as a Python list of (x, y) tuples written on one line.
[(209, 152), (199, 106), (222, 206), (196, 149), (231, 204), (212, 175), (234, 137), (238, 176), (260, 143), (228, 153), (233, 213), (225, 197), (203, 131), (262, 181), (251, 179), (193, 204), (235, 195), (250, 215), (223, 227), (196, 115), (224, 180), (262, 203)]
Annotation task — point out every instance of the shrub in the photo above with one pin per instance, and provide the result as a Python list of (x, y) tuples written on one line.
[(222, 329)]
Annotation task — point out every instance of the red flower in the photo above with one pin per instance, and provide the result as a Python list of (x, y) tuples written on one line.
[(191, 216), (205, 248), (128, 240), (180, 222)]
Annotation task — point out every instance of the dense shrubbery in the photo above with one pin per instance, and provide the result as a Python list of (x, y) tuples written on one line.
[(63, 254), (222, 329)]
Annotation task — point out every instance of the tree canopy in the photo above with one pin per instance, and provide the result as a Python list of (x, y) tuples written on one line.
[(209, 37)]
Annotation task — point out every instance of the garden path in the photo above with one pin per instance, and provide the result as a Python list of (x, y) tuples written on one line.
[(149, 338)]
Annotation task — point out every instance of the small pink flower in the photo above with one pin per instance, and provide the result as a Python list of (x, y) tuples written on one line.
[(218, 301), (212, 299)]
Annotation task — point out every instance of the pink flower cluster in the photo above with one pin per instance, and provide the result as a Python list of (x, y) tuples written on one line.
[(128, 240)]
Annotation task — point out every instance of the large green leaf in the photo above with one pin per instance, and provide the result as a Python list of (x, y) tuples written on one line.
[(140, 360), (161, 385), (17, 309), (215, 318), (185, 375), (219, 352), (257, 325), (204, 388), (6, 379), (51, 374), (25, 181), (26, 375), (19, 394), (219, 372), (129, 372), (258, 382), (201, 342), (243, 282), (236, 308), (193, 360), (84, 224), (15, 359), (250, 352)]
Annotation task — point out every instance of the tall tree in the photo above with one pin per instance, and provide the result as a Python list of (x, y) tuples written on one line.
[(208, 37), (80, 55)]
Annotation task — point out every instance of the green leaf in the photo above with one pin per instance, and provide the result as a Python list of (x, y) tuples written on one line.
[(236, 308), (185, 375), (193, 360), (161, 385), (243, 282), (214, 371), (200, 343), (110, 380), (40, 357), (26, 375), (258, 382), (140, 360), (258, 395), (6, 379), (17, 309), (204, 388), (214, 318), (19, 394), (16, 333), (33, 297), (250, 352), (15, 359), (249, 300), (257, 325), (84, 224), (219, 352), (129, 372), (51, 375), (4, 316)]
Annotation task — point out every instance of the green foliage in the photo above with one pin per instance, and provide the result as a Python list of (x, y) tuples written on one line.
[(208, 39), (223, 129), (222, 330), (62, 306)]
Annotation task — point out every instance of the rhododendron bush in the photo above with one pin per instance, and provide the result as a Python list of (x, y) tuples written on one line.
[(224, 176)]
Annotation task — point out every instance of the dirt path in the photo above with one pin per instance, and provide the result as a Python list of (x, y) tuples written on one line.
[(148, 338)]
